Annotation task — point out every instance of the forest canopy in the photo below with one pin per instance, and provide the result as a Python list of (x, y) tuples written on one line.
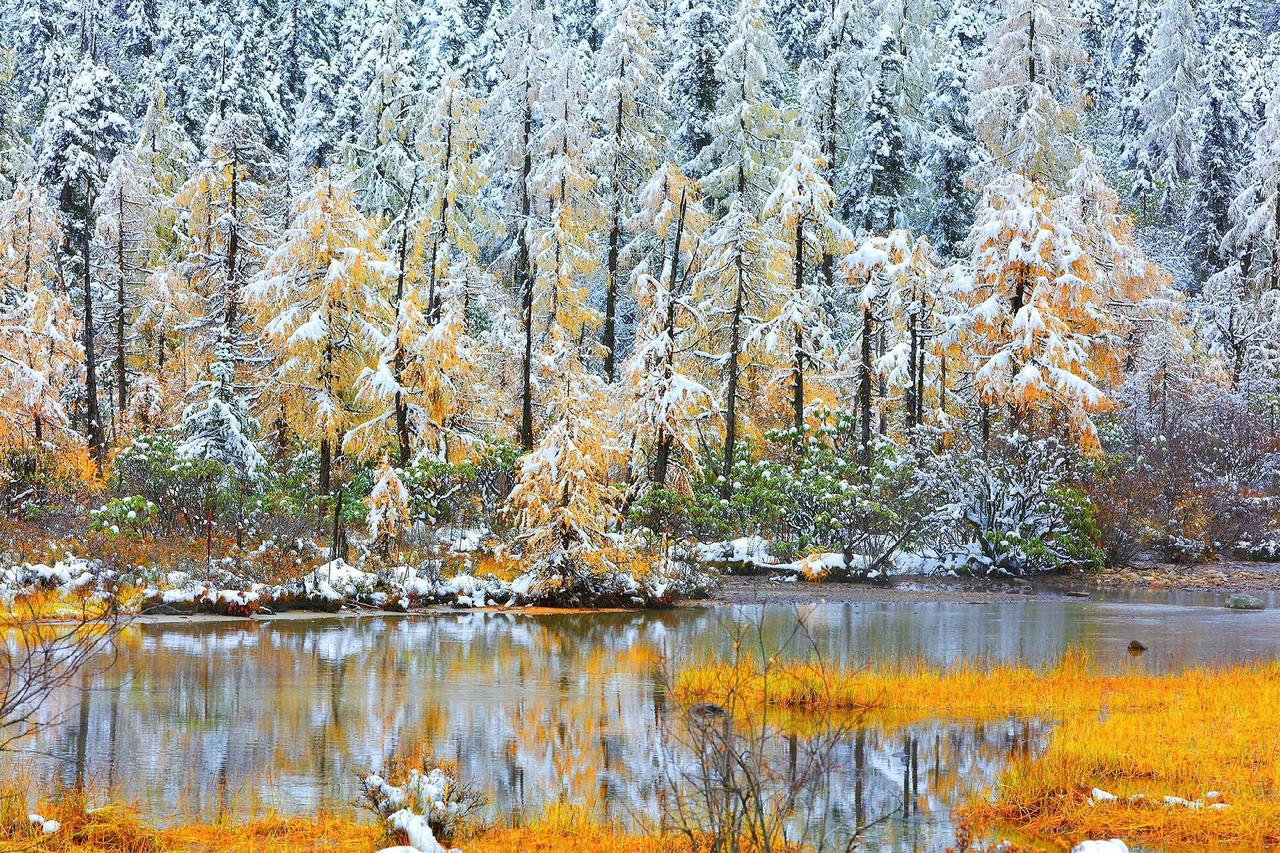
[(927, 285)]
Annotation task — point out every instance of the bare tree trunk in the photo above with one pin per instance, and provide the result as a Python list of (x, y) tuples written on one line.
[(93, 414), (797, 388), (731, 385), (233, 249), (864, 389), (122, 383), (662, 453), (914, 388), (524, 283), (608, 335)]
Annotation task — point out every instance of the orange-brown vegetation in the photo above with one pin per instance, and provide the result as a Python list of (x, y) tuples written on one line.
[(1204, 736)]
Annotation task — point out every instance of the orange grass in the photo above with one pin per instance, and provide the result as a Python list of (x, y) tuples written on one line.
[(118, 830), (1181, 734)]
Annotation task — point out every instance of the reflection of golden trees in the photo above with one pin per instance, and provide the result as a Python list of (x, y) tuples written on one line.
[(241, 719)]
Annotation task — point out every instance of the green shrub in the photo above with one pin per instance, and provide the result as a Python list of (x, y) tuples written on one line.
[(131, 516)]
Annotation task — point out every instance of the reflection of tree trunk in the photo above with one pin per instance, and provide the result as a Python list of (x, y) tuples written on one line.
[(112, 740), (223, 785), (859, 771), (82, 733)]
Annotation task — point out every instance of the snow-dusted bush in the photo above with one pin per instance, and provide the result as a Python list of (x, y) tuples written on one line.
[(69, 575), (1010, 510), (426, 810)]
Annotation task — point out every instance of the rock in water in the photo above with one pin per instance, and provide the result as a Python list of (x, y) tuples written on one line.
[(1243, 601), (1112, 845)]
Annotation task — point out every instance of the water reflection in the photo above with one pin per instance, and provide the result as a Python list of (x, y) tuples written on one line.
[(238, 718)]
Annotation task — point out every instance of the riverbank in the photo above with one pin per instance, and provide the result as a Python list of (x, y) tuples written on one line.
[(1215, 581), (1260, 579)]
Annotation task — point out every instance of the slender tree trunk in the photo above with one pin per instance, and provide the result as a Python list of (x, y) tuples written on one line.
[(942, 384), (93, 414), (397, 366), (797, 386), (827, 263), (326, 446), (864, 389), (326, 465), (122, 383), (662, 453), (914, 389), (731, 385), (336, 548), (442, 231), (524, 283), (233, 250), (608, 335)]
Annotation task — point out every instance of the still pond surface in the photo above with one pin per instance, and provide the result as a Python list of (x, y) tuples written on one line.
[(235, 719)]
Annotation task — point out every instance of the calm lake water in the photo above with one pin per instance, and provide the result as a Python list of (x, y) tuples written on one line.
[(217, 719)]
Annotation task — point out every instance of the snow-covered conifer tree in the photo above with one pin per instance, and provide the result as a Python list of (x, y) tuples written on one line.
[(801, 213), (736, 289), (514, 113), (665, 399), (218, 426), (1223, 141), (950, 151), (697, 42), (1037, 312), (631, 113), (741, 158), (884, 163), (1255, 212), (1025, 98), (75, 143), (388, 504), (383, 150), (122, 246), (565, 250), (39, 354)]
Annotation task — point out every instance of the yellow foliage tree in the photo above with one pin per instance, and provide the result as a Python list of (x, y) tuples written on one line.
[(319, 293), (431, 369), (39, 351), (388, 505), (565, 251), (562, 500), (1041, 314)]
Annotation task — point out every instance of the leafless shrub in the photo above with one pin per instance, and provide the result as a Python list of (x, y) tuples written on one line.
[(737, 778), (40, 653)]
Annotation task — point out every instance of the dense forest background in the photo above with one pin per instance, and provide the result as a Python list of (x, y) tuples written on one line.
[(988, 286)]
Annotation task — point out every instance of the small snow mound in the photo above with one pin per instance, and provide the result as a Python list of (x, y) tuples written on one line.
[(1112, 845), (48, 827)]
